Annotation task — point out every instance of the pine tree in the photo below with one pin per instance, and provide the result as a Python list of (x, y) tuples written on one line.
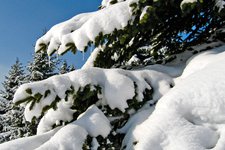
[(14, 79), (65, 68), (12, 119), (153, 34)]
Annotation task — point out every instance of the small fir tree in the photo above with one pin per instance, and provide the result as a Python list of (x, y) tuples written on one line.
[(65, 68), (14, 79), (42, 67), (13, 124)]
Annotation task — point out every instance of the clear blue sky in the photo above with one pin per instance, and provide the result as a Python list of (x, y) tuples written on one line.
[(23, 21)]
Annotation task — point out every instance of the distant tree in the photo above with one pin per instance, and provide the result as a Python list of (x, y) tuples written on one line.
[(42, 67), (65, 68), (13, 124), (14, 79)]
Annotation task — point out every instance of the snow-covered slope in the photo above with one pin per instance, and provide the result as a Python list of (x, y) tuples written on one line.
[(190, 116)]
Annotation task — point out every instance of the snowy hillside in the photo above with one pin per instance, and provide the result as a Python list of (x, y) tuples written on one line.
[(188, 116)]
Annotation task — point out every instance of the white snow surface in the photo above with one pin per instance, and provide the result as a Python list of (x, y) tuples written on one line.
[(191, 116)]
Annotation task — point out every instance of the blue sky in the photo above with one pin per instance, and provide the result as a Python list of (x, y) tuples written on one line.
[(22, 22)]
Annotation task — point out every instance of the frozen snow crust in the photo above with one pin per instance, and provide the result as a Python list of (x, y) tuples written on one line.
[(189, 116)]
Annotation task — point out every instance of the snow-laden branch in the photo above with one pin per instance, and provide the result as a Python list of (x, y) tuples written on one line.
[(72, 136), (60, 97), (77, 32)]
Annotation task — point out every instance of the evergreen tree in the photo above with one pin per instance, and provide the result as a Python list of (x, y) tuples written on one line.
[(13, 124), (42, 67), (157, 31), (14, 79), (153, 34), (65, 68)]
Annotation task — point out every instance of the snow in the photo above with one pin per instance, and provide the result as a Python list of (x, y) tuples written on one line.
[(134, 59), (198, 62), (187, 117), (220, 4), (68, 138), (144, 12), (95, 122), (90, 61), (95, 144), (28, 143), (107, 79), (189, 94), (107, 3), (72, 136), (188, 1), (63, 113)]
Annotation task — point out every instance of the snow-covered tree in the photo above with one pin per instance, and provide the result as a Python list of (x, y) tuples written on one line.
[(13, 124), (42, 67), (14, 79), (65, 68), (152, 107)]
